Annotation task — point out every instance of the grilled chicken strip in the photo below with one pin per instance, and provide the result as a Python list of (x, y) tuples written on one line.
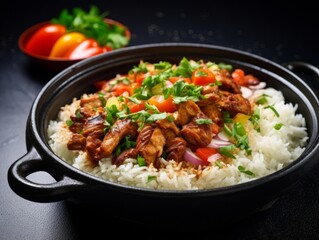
[(119, 130), (186, 111), (195, 134), (176, 149), (150, 143), (234, 103)]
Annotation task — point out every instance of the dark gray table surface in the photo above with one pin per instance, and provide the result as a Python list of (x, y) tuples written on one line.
[(267, 29)]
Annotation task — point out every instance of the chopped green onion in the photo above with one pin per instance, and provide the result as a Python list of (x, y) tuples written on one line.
[(226, 150), (243, 170), (262, 100), (204, 121), (102, 99), (273, 109), (227, 130), (150, 178), (226, 117), (218, 164), (278, 126), (69, 123), (255, 119), (78, 113), (170, 118)]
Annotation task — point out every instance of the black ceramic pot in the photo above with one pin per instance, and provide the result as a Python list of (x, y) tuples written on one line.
[(216, 206)]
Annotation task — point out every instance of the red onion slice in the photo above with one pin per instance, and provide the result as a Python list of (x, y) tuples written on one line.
[(192, 158), (246, 92), (214, 157), (217, 143), (222, 136), (260, 85)]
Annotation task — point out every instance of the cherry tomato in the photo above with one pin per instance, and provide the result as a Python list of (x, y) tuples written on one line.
[(120, 88), (239, 77), (203, 77), (42, 41), (65, 43), (162, 104), (86, 48), (205, 153), (134, 107)]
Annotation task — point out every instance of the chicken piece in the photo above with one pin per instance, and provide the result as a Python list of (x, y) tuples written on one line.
[(169, 129), (214, 113), (128, 153), (199, 135), (76, 127), (93, 142), (94, 124), (120, 129), (186, 111), (81, 114), (176, 149), (211, 96), (234, 103), (228, 84), (94, 100), (77, 142), (150, 143)]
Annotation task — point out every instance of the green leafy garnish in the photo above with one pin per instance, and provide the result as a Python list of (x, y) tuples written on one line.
[(184, 69), (126, 144), (92, 25), (141, 161), (225, 66)]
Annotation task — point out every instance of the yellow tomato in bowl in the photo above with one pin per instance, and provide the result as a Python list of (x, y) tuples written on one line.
[(65, 43)]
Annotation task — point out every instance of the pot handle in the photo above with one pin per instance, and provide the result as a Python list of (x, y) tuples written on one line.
[(301, 66), (30, 163)]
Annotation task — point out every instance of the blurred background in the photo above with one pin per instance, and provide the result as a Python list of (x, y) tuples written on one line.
[(278, 32)]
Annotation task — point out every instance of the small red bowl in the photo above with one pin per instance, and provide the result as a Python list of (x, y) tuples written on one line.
[(55, 64)]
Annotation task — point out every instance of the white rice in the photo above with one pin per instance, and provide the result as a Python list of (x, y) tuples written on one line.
[(271, 151)]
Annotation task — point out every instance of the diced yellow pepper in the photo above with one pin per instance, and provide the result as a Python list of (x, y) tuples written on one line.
[(241, 118), (114, 101)]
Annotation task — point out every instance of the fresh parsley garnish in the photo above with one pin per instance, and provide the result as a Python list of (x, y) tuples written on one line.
[(91, 23)]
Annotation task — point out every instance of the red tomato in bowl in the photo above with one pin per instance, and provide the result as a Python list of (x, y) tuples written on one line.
[(42, 41)]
